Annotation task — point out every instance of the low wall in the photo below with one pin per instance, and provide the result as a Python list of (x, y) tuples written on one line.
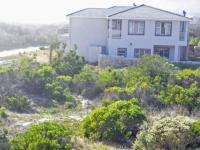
[(115, 61)]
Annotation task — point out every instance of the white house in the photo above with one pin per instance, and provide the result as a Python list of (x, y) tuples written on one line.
[(129, 31)]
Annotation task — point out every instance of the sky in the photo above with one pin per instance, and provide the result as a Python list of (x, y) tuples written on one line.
[(54, 11)]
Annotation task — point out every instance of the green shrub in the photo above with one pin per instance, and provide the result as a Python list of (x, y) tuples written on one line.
[(17, 103), (187, 77), (110, 77), (153, 66), (44, 136), (170, 133), (3, 113), (183, 89), (117, 122), (57, 92), (85, 82), (70, 64), (197, 128), (194, 41), (188, 97)]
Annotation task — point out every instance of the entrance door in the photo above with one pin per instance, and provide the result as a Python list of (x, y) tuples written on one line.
[(162, 51)]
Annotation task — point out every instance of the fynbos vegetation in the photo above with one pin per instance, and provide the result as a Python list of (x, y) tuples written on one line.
[(152, 105)]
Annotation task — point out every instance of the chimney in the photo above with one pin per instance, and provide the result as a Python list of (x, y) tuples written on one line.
[(184, 13), (134, 4)]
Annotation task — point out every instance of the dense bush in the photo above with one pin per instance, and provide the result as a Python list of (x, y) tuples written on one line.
[(44, 81), (117, 122), (183, 89), (3, 113), (44, 136), (194, 41), (170, 133), (196, 129), (110, 77), (70, 64), (84, 83), (17, 103), (92, 81)]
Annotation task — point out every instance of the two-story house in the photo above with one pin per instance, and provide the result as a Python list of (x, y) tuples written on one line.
[(129, 31)]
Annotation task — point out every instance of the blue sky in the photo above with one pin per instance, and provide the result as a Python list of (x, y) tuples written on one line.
[(54, 11)]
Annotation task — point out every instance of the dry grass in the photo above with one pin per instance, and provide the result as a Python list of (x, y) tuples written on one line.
[(85, 144)]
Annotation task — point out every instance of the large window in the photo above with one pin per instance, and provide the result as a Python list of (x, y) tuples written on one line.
[(136, 27), (182, 31), (122, 52), (163, 28), (162, 51), (139, 52)]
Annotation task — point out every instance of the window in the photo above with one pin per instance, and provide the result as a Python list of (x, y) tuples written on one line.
[(163, 28), (136, 27), (116, 29), (139, 52), (122, 52), (162, 51), (182, 31), (116, 24)]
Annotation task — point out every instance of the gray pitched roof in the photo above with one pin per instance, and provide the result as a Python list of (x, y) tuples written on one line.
[(119, 11), (99, 12)]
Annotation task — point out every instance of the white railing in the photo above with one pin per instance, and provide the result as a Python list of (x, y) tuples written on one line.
[(116, 34), (182, 36)]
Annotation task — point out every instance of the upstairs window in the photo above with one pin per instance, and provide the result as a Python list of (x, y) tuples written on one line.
[(122, 52), (182, 31), (163, 28), (116, 24), (116, 29), (136, 27)]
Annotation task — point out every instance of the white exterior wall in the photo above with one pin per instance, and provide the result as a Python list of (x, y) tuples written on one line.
[(86, 33), (148, 40)]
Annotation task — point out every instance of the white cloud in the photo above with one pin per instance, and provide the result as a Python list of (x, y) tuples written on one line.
[(53, 11)]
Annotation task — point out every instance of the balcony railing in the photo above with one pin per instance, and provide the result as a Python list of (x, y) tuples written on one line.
[(182, 36), (116, 34)]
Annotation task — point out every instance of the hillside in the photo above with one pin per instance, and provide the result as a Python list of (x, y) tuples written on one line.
[(20, 36), (69, 104)]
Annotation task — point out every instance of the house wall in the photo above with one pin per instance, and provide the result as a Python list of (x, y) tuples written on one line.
[(93, 32), (148, 40), (86, 33)]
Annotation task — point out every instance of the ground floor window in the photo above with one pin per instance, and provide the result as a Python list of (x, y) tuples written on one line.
[(139, 52), (122, 52), (162, 51)]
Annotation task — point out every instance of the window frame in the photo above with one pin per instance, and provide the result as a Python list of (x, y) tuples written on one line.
[(162, 51), (129, 21), (161, 28), (118, 49), (144, 49), (182, 32), (117, 22)]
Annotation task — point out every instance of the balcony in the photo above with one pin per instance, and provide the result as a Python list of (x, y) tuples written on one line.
[(182, 36), (116, 34)]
